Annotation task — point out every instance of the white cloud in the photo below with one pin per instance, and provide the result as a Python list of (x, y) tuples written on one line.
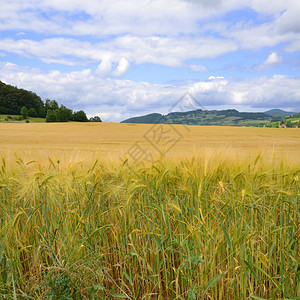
[(215, 78), (99, 18), (157, 50), (289, 21), (114, 35), (165, 32), (276, 7), (294, 44), (121, 68), (254, 37), (276, 91), (115, 100), (104, 67), (273, 59), (239, 97)]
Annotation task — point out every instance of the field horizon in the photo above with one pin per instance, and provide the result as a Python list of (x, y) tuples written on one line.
[(114, 140)]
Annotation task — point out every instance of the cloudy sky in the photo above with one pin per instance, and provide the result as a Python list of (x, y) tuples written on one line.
[(119, 59)]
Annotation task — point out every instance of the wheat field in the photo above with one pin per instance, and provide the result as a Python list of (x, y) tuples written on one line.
[(112, 211)]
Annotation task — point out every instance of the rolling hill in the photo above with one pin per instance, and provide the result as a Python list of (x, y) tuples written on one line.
[(230, 117), (16, 105), (279, 113)]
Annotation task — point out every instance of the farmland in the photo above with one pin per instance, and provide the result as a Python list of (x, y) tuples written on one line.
[(112, 140), (213, 215)]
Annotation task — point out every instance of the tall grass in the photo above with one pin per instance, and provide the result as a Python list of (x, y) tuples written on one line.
[(196, 228)]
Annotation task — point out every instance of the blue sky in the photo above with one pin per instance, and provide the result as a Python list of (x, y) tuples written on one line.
[(119, 59)]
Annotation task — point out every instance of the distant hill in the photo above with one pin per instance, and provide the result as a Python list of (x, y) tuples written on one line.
[(147, 119), (13, 100), (279, 113), (292, 121), (230, 117)]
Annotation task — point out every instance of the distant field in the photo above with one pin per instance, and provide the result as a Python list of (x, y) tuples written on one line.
[(14, 119), (128, 211), (111, 140)]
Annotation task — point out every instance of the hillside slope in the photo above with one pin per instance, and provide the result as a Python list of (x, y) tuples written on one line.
[(293, 120), (15, 102), (147, 119), (12, 99), (230, 117), (279, 113)]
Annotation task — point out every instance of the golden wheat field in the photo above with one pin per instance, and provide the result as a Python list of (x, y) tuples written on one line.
[(113, 140), (127, 211)]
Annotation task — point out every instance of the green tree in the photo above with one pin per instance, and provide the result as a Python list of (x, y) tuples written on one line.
[(24, 112), (70, 115), (80, 116), (32, 112), (51, 116), (64, 114), (13, 99), (51, 104), (95, 119)]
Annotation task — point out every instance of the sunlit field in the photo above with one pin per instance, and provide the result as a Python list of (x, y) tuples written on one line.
[(110, 211), (112, 140)]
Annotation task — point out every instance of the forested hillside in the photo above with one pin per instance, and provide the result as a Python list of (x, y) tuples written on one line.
[(292, 121), (230, 117), (15, 101)]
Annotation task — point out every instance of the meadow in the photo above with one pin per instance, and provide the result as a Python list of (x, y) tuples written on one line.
[(16, 119), (112, 211)]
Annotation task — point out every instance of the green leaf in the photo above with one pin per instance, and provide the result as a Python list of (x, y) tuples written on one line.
[(226, 236), (249, 265), (256, 297), (119, 296), (213, 282), (192, 293)]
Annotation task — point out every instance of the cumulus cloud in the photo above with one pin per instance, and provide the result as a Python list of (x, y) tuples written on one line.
[(121, 68), (99, 18), (119, 99), (104, 38), (162, 32), (158, 50), (272, 60), (104, 67), (140, 22)]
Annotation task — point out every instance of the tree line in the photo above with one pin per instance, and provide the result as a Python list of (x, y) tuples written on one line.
[(17, 101)]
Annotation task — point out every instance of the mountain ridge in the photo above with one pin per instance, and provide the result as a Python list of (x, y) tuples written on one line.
[(230, 117), (280, 113)]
